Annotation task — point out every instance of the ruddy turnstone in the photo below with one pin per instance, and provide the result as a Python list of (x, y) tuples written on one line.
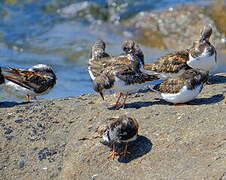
[(117, 130), (183, 88), (100, 59), (200, 56), (130, 46), (32, 82), (126, 79), (203, 55)]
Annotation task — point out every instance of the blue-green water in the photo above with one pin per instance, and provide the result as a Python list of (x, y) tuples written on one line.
[(59, 33)]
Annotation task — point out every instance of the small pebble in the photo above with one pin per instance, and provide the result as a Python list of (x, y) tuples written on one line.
[(21, 164), (9, 137), (8, 130), (19, 121)]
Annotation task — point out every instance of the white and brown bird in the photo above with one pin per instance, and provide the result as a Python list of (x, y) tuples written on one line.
[(130, 46), (124, 78), (201, 55), (32, 82), (100, 60), (183, 88), (117, 130)]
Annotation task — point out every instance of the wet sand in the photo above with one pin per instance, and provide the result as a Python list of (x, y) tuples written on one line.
[(56, 139)]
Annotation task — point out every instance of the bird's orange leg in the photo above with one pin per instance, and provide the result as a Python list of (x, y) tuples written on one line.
[(117, 104), (113, 154), (125, 152), (124, 102)]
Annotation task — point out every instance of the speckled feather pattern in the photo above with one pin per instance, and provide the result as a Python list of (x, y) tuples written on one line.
[(191, 79), (121, 129), (97, 64), (35, 79), (171, 63), (201, 50)]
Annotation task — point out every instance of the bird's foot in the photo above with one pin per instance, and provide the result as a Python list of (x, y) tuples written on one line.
[(125, 153), (113, 154)]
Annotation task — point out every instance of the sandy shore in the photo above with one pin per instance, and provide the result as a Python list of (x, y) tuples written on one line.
[(56, 139)]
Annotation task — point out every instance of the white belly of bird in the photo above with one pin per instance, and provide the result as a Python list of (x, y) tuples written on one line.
[(123, 87), (183, 96), (203, 63), (91, 73), (13, 88)]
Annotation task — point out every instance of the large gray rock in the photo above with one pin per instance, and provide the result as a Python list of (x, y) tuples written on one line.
[(56, 139), (176, 27)]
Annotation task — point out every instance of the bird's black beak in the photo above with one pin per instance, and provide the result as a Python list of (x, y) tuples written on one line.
[(102, 95)]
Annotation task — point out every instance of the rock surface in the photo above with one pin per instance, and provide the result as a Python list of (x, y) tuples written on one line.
[(177, 27), (56, 139)]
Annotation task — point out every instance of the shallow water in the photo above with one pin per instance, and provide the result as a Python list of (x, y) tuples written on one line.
[(59, 33)]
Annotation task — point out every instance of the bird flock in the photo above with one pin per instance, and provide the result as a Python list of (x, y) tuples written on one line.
[(181, 76)]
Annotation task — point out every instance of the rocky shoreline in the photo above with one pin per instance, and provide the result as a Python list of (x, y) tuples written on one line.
[(177, 27), (57, 139)]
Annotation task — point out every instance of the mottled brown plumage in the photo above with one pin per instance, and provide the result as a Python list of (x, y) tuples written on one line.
[(171, 63), (124, 78), (183, 88), (130, 46), (176, 63), (191, 78), (119, 129), (100, 60), (38, 80)]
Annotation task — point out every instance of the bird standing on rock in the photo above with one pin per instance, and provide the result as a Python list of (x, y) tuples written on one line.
[(117, 130), (201, 55), (124, 78), (183, 88), (100, 59), (32, 82)]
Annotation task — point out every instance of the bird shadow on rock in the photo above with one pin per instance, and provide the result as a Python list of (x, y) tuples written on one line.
[(140, 104), (210, 100), (198, 101), (8, 104), (141, 146), (217, 79)]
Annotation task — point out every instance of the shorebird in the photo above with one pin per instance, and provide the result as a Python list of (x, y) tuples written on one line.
[(183, 88), (100, 60), (201, 55), (130, 46), (117, 130), (32, 82), (124, 78)]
